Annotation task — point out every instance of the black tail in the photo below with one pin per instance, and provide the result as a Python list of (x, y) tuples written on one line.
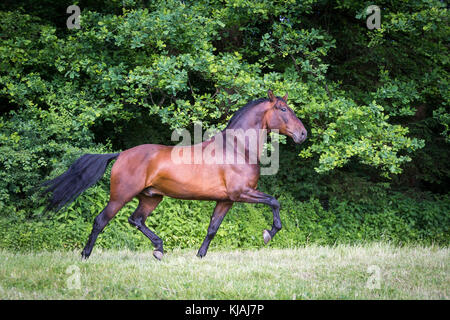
[(81, 175)]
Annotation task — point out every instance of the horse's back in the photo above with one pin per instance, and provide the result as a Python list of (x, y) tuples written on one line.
[(185, 179), (157, 170)]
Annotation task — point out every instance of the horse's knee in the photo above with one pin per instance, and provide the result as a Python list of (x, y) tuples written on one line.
[(134, 222), (274, 204), (100, 222)]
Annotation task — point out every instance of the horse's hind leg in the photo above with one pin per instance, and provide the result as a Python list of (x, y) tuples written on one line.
[(100, 223), (146, 206)]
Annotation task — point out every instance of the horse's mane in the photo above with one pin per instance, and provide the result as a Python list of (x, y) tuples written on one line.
[(238, 114)]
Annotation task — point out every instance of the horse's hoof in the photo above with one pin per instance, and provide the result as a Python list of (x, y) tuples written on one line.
[(266, 236), (84, 256), (158, 254)]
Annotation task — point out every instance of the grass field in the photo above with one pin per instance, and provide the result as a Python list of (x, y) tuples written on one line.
[(374, 271)]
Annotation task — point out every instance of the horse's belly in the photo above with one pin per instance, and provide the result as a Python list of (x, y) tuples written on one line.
[(194, 182)]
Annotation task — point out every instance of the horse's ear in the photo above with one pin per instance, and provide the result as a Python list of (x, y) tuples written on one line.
[(271, 96), (285, 97)]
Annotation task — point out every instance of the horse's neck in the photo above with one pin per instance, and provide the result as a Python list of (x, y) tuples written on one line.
[(250, 125), (250, 129), (255, 120)]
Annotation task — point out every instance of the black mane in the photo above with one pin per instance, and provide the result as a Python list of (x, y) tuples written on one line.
[(237, 115)]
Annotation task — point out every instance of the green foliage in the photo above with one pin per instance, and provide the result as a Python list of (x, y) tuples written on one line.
[(33, 142), (444, 118), (360, 131), (393, 218), (374, 102)]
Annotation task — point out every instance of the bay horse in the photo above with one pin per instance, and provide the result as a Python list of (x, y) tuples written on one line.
[(149, 173)]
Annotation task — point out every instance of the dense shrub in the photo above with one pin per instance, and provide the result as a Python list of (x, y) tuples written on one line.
[(374, 102), (183, 224)]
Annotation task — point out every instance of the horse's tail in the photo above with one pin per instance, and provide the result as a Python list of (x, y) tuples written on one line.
[(81, 175)]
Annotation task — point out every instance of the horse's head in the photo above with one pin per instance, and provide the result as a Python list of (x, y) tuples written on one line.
[(281, 117)]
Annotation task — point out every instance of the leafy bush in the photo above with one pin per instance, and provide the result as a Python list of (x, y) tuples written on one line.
[(183, 224), (374, 102)]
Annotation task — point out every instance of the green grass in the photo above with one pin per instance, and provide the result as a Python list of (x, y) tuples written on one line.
[(311, 272)]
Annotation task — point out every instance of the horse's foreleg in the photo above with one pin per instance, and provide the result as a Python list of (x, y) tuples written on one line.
[(100, 223), (219, 213), (255, 196), (137, 219)]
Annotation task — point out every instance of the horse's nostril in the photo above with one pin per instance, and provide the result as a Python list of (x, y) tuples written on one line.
[(304, 134)]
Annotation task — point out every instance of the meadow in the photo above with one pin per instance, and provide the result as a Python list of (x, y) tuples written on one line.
[(371, 271)]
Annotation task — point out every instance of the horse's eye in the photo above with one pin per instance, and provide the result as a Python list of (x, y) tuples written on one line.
[(283, 109)]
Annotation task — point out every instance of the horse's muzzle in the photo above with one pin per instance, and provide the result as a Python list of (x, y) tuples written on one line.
[(300, 136)]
